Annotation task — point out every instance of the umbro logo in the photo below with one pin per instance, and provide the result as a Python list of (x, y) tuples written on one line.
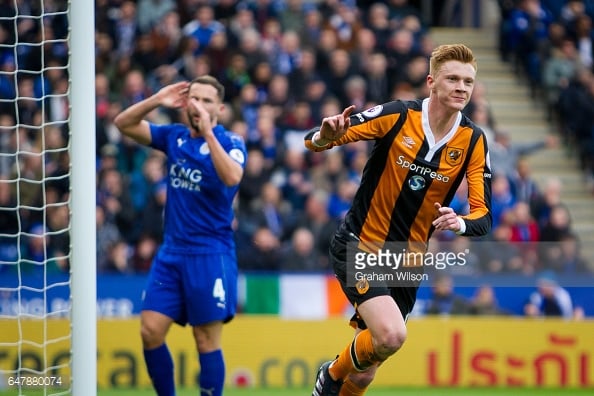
[(408, 141), (180, 141)]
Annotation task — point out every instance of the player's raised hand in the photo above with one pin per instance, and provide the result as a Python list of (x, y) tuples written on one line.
[(335, 127), (174, 95), (205, 121)]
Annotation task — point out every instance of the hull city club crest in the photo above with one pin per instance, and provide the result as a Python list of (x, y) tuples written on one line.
[(454, 155)]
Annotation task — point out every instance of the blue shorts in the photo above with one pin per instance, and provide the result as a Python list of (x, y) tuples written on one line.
[(193, 288)]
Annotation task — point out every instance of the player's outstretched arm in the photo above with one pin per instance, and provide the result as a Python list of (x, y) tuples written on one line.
[(131, 121)]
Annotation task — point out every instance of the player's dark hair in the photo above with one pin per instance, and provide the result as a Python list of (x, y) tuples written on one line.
[(210, 80), (450, 52)]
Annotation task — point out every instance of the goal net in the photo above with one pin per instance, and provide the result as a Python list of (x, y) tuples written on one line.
[(38, 195)]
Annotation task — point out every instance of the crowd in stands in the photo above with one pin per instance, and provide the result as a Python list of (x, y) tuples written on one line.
[(551, 44), (285, 65)]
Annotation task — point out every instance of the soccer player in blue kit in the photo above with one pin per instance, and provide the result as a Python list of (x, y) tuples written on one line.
[(193, 278)]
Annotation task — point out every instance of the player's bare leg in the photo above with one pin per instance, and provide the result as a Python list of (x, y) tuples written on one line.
[(385, 334), (153, 328)]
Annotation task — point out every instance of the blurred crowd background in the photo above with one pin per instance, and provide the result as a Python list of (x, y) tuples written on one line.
[(285, 65)]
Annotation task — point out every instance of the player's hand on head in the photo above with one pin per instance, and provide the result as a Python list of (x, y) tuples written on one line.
[(335, 127), (174, 95)]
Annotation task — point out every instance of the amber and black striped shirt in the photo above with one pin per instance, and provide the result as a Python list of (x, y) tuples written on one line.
[(407, 172)]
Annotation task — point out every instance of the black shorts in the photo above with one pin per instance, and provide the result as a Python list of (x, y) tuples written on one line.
[(405, 297)]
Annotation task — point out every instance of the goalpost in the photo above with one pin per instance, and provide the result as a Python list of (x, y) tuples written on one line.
[(37, 350), (84, 262)]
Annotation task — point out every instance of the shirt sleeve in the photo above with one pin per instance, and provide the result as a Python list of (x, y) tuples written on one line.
[(478, 174), (159, 136)]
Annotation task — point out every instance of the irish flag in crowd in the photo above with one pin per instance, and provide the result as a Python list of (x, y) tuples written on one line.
[(292, 296)]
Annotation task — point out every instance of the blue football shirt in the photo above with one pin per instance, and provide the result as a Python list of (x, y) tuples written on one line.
[(198, 211)]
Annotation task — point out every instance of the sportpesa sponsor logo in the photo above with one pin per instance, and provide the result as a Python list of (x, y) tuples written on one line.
[(421, 170), (417, 183)]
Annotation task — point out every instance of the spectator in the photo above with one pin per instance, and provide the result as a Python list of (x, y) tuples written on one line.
[(166, 35), (317, 219), (498, 255), (444, 300), (378, 20), (143, 253), (524, 187), (342, 198), (571, 260), (38, 259), (274, 212), (118, 261), (250, 47), (505, 153), (262, 253), (288, 56), (549, 299), (502, 199), (150, 12), (202, 27), (557, 226), (584, 40), (529, 23), (124, 28), (114, 196), (299, 253), (304, 72), (484, 303), (292, 15), (312, 27), (558, 70), (107, 235), (151, 217), (339, 70), (255, 177), (525, 233), (377, 79), (551, 197), (293, 180)]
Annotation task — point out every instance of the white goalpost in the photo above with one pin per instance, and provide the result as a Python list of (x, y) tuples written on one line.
[(84, 262), (48, 312)]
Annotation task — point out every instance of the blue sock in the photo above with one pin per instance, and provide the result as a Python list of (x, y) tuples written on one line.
[(159, 365), (212, 373)]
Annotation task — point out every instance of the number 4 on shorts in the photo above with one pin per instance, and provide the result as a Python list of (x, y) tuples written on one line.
[(218, 291)]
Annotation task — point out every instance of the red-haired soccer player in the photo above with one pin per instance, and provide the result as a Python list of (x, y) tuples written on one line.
[(422, 149)]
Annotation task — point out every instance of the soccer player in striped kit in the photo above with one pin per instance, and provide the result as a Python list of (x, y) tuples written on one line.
[(193, 278), (422, 149)]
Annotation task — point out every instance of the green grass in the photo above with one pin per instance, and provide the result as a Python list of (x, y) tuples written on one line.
[(372, 392)]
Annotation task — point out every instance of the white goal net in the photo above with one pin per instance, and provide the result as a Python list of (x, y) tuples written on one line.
[(37, 330)]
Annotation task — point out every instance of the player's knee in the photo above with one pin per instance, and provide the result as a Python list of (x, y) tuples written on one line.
[(390, 341), (151, 336)]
